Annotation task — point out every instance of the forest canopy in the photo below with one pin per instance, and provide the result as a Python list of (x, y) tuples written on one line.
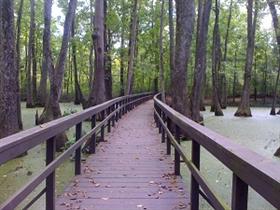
[(196, 53)]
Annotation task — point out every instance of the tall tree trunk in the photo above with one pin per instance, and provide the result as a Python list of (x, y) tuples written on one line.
[(184, 30), (161, 65), (108, 59), (98, 94), (34, 72), (122, 52), (132, 44), (9, 122), (200, 60), (77, 88), (91, 61), (273, 11), (46, 61), (19, 18), (244, 106), (224, 61), (265, 78), (31, 46), (216, 62), (234, 77), (171, 38), (52, 109)]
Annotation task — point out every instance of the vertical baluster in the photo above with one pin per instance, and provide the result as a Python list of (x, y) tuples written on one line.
[(113, 117), (159, 124), (168, 143), (123, 109), (117, 113), (78, 150), (50, 180), (162, 129), (176, 154), (239, 194), (126, 102), (109, 120), (194, 183), (120, 111), (102, 127), (93, 137)]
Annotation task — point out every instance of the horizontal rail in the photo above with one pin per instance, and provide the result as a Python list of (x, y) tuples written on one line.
[(15, 145), (256, 171), (74, 119), (216, 202)]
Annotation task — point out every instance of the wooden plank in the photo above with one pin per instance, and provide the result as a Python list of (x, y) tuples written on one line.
[(129, 167)]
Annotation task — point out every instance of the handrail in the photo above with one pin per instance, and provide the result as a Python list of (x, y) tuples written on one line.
[(248, 167), (16, 144)]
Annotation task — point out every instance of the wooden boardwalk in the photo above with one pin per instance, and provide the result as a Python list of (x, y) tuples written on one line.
[(130, 170)]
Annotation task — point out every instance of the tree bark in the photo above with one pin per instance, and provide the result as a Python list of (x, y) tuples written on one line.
[(224, 62), (30, 65), (98, 94), (46, 61), (161, 65), (77, 89), (273, 11), (234, 77), (171, 39), (9, 122), (19, 18), (52, 109), (91, 61), (122, 52), (244, 106), (200, 59), (216, 62), (108, 59), (184, 30), (132, 45)]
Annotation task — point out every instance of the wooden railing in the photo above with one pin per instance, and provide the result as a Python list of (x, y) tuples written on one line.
[(248, 168), (15, 145)]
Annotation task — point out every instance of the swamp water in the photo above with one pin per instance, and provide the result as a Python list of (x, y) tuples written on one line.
[(260, 133)]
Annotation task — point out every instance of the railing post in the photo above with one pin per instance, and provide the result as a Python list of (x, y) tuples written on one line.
[(159, 124), (168, 143), (50, 180), (120, 111), (117, 113), (78, 151), (102, 127), (194, 183), (162, 129), (93, 137), (176, 153), (113, 117), (125, 109), (109, 120), (239, 194)]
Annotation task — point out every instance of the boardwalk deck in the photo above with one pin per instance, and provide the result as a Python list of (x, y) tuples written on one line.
[(129, 171)]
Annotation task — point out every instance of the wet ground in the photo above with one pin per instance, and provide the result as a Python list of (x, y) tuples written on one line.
[(260, 133)]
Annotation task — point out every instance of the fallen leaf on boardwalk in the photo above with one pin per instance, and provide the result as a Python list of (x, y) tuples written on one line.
[(139, 206), (151, 182), (97, 185), (182, 206), (105, 199)]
